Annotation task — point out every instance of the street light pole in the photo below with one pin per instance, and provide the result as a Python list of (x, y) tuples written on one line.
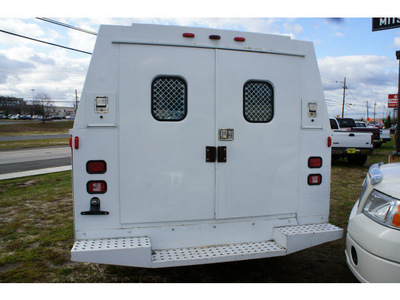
[(33, 104)]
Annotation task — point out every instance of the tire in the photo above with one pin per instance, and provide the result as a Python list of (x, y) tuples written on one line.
[(359, 159)]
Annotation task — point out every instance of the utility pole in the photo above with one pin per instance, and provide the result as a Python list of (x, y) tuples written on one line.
[(344, 96), (398, 111), (374, 112), (367, 112), (395, 157)]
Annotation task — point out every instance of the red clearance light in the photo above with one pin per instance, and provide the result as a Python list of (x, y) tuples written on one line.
[(329, 141), (214, 37), (315, 162), (96, 167), (96, 187), (188, 35), (77, 142), (239, 39), (314, 179)]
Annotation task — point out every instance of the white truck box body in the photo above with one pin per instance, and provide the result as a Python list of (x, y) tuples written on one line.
[(161, 192)]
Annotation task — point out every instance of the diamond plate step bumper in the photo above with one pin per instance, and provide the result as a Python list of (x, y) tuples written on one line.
[(215, 254), (296, 238), (136, 251), (133, 251)]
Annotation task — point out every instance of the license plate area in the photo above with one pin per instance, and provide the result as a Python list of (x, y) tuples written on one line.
[(351, 150)]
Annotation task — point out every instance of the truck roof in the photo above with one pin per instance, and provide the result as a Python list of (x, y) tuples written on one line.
[(204, 38)]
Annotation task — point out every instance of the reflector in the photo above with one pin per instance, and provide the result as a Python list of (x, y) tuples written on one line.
[(96, 187), (315, 162), (396, 218), (77, 142), (96, 167), (239, 39), (329, 141), (188, 35), (314, 179)]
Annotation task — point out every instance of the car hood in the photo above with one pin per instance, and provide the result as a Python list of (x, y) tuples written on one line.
[(390, 185)]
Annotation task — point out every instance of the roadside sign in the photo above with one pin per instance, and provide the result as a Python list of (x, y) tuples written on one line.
[(393, 100), (385, 23)]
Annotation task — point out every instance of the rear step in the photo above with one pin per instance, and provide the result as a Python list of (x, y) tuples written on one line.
[(136, 251), (215, 254)]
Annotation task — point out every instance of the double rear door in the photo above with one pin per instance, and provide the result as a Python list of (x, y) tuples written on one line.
[(202, 134)]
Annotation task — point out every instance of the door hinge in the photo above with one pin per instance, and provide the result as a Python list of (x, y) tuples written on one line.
[(222, 154), (211, 154)]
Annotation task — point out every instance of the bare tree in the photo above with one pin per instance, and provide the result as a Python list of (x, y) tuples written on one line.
[(43, 102)]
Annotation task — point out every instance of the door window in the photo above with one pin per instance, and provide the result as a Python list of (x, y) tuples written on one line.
[(258, 101), (169, 98)]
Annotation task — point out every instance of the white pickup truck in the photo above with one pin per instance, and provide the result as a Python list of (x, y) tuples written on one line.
[(355, 146)]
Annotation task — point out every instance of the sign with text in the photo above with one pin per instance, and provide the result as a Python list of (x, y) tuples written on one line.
[(385, 23), (393, 100)]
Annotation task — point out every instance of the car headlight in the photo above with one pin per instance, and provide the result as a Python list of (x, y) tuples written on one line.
[(383, 209)]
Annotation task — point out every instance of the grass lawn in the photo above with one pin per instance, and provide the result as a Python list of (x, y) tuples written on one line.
[(34, 127), (36, 235), (19, 128), (23, 144)]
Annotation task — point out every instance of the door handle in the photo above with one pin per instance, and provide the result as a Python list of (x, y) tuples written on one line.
[(211, 154), (222, 154)]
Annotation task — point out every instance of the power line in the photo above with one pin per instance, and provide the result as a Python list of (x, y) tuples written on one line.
[(40, 41), (66, 25)]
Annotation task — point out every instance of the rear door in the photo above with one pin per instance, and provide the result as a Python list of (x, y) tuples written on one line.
[(258, 103), (167, 118)]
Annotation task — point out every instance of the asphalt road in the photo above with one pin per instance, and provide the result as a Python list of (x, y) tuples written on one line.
[(32, 159)]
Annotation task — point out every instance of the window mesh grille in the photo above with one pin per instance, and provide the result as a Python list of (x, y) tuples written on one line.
[(258, 101), (169, 98)]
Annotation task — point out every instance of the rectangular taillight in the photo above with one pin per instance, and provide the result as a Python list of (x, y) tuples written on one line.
[(315, 162), (314, 179), (96, 187), (96, 167)]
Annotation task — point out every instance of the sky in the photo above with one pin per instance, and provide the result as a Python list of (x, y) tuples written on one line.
[(345, 46)]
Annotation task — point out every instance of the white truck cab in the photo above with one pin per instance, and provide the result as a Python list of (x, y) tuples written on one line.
[(178, 152)]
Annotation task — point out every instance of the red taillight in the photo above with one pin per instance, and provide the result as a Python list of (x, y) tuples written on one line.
[(76, 142), (188, 35), (214, 37), (239, 39), (329, 141), (70, 141), (96, 187), (315, 162), (96, 167), (314, 179)]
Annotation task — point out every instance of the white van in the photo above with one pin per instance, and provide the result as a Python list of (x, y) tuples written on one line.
[(196, 146)]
